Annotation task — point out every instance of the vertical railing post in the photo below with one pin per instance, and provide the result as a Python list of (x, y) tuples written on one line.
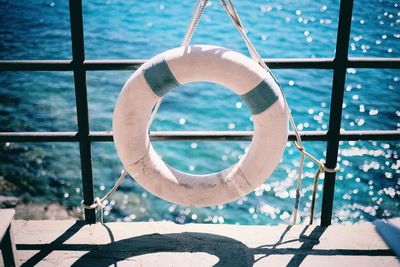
[(339, 77), (78, 57)]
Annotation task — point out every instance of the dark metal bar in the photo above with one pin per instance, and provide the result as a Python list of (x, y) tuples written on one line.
[(385, 135), (133, 64), (373, 63), (279, 63), (339, 77), (8, 248), (168, 136), (36, 65), (282, 63), (78, 57), (39, 137), (371, 135)]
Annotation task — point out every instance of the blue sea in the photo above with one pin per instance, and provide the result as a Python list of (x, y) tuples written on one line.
[(367, 185)]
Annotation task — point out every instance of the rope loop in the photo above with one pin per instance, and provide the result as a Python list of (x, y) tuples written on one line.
[(323, 167), (88, 207), (98, 202), (232, 13)]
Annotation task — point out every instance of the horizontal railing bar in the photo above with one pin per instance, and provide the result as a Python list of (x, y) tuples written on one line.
[(373, 63), (278, 63), (98, 136), (36, 65), (209, 136), (370, 135), (39, 137), (132, 64)]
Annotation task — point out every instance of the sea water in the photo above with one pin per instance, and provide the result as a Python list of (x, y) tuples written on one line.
[(367, 184)]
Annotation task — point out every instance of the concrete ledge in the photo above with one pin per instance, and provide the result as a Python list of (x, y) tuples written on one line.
[(65, 243)]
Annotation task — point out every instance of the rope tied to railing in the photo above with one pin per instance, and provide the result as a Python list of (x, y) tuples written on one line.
[(322, 168), (232, 13), (98, 202)]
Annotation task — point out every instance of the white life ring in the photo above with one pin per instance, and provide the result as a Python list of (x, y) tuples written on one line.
[(200, 63)]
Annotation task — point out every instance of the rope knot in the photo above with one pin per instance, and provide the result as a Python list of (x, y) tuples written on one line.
[(88, 207), (323, 168), (98, 205), (98, 202)]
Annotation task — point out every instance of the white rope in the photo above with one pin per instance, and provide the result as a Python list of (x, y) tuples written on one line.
[(98, 202), (231, 11), (197, 13), (194, 22), (298, 189), (154, 113)]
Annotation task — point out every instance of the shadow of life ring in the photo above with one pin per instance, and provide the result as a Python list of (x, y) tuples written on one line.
[(200, 63)]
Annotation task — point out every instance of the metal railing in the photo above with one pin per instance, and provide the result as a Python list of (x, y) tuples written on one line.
[(85, 137)]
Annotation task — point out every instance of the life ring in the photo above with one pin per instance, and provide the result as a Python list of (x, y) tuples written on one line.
[(200, 63)]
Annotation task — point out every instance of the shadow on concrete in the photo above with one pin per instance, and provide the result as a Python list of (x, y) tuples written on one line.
[(229, 251), (48, 248), (299, 254)]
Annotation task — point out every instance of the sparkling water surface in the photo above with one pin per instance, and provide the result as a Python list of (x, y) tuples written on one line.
[(368, 183)]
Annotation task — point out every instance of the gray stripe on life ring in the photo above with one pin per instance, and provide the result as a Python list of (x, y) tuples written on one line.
[(259, 98), (159, 77)]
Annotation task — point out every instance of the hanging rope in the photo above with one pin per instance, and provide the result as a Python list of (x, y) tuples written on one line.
[(197, 13), (231, 11)]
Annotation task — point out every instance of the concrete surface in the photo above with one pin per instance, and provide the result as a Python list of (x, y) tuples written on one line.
[(66, 243)]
